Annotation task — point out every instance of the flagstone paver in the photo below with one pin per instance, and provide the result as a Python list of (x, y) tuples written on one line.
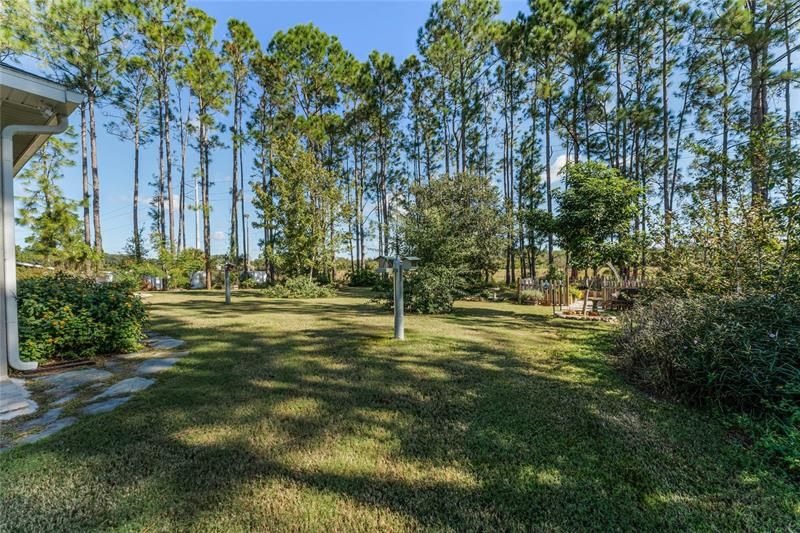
[(15, 400), (165, 343), (65, 399), (104, 406), (56, 426), (47, 418), (67, 381), (154, 366), (126, 386)]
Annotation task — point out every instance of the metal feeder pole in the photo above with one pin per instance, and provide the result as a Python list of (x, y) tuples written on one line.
[(227, 286), (399, 329)]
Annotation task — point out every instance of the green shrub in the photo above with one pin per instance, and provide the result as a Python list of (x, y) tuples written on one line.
[(66, 317), (299, 287), (429, 290), (741, 353), (251, 283), (432, 290), (531, 296), (363, 278)]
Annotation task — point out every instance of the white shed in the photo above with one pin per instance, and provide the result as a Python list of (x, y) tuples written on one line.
[(31, 109)]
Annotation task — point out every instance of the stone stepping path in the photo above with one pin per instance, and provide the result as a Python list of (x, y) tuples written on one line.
[(15, 400), (65, 396)]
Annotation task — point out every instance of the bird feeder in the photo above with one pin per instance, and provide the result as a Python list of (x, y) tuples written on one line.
[(385, 264), (410, 263)]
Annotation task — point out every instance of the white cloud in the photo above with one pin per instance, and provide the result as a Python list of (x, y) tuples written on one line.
[(558, 164), (218, 235), (555, 169)]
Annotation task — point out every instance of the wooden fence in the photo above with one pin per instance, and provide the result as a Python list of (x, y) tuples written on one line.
[(600, 288)]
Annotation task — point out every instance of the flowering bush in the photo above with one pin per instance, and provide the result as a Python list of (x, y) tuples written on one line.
[(67, 317)]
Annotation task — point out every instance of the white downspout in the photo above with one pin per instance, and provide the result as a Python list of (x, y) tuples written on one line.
[(9, 251)]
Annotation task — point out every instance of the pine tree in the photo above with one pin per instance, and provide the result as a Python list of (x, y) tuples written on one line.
[(314, 66), (161, 26), (56, 237), (203, 74), (265, 126), (81, 44), (18, 32), (238, 51), (457, 43), (133, 97), (547, 26), (384, 91)]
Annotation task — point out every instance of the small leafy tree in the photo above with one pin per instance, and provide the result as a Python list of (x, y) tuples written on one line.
[(456, 222), (596, 208)]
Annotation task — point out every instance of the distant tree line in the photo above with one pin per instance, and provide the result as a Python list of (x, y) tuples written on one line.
[(691, 103)]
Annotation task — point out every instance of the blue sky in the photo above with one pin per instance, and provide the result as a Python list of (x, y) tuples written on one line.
[(388, 26)]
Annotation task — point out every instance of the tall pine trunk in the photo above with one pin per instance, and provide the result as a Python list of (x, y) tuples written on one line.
[(206, 207), (548, 151), (98, 234), (245, 245), (788, 111), (234, 237), (87, 223), (137, 245), (182, 201), (665, 130), (161, 211), (171, 199)]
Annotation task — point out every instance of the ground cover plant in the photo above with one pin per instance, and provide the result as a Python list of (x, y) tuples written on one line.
[(530, 296), (738, 352), (306, 415), (67, 317)]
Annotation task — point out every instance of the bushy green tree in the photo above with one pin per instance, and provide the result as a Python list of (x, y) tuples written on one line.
[(596, 209), (305, 192), (456, 222)]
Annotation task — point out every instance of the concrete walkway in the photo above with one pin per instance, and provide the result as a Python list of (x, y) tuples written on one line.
[(33, 408)]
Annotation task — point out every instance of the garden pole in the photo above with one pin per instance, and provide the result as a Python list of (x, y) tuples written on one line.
[(399, 332), (227, 286)]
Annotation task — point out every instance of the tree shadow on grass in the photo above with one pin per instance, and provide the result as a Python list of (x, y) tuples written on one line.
[(452, 429)]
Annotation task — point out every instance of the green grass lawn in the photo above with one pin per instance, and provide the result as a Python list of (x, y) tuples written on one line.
[(306, 415)]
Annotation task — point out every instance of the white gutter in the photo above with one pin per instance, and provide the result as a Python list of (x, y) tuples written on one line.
[(9, 273)]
